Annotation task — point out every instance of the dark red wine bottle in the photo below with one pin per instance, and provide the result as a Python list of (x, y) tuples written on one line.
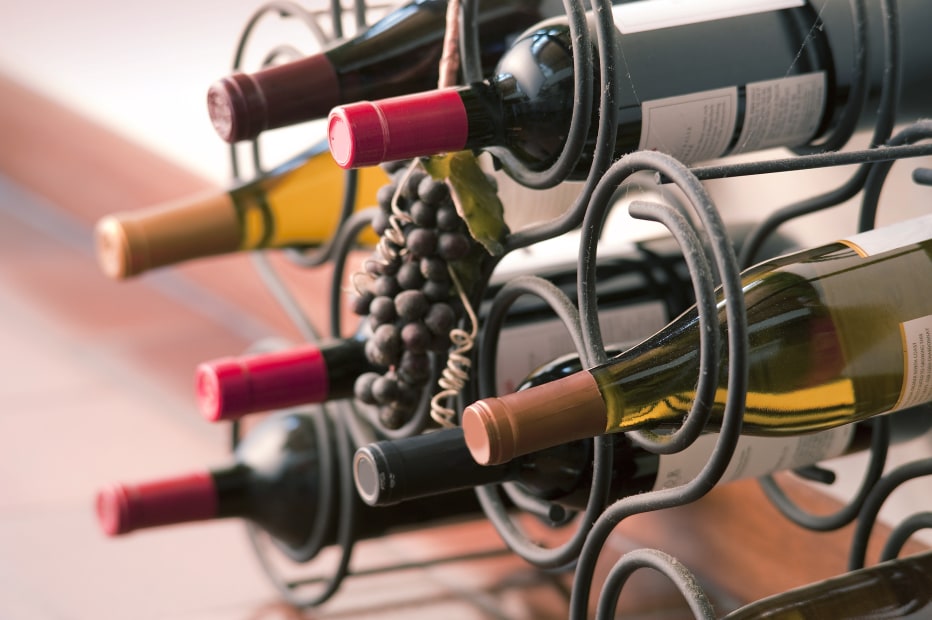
[(231, 387), (274, 481), (698, 82), (392, 471), (398, 54)]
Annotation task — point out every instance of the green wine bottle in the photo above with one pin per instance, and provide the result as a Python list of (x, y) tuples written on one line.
[(837, 334), (900, 588)]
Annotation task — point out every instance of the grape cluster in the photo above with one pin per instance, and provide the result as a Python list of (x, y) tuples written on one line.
[(407, 294)]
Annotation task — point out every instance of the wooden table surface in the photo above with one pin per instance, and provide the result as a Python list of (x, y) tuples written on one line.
[(98, 387)]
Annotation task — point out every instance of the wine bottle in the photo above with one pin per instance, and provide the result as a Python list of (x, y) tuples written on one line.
[(294, 204), (398, 470), (699, 82), (274, 481), (898, 588), (836, 334), (398, 54)]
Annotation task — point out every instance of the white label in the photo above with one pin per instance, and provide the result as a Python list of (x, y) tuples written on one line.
[(692, 127), (524, 348), (891, 237), (917, 362), (655, 14), (782, 112), (753, 456)]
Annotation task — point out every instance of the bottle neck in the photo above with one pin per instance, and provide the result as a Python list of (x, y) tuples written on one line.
[(123, 508), (231, 387), (396, 471)]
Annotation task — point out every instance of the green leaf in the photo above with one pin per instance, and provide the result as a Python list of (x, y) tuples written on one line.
[(474, 197)]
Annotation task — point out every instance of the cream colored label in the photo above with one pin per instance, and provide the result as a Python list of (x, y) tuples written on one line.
[(917, 362), (524, 348), (656, 14), (692, 127), (891, 237), (699, 126), (753, 456), (782, 112)]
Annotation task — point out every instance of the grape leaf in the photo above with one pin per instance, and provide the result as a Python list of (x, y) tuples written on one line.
[(474, 197)]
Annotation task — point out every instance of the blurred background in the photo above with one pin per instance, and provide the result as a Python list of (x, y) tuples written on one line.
[(102, 108)]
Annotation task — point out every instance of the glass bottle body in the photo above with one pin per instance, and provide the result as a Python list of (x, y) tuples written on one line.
[(295, 204), (825, 345), (687, 90), (900, 588)]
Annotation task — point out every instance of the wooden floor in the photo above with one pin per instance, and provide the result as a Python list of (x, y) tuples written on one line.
[(97, 386)]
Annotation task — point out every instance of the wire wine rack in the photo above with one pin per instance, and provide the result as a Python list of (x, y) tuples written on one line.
[(700, 231)]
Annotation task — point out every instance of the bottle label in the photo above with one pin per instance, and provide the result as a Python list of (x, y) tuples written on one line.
[(656, 14), (700, 126), (782, 112), (753, 456), (524, 348), (891, 237), (917, 362)]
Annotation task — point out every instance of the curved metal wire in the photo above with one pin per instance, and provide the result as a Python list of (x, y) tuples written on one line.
[(337, 489), (737, 356), (886, 119), (880, 441), (685, 234), (902, 532), (663, 563), (492, 503), (582, 106), (873, 184), (607, 127), (345, 537), (283, 8), (857, 97), (876, 174), (871, 509)]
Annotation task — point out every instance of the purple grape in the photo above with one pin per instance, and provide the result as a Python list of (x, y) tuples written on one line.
[(414, 367), (433, 191), (434, 268), (453, 246), (409, 276), (380, 223), (362, 388), (440, 319), (386, 286), (421, 242), (411, 305), (385, 389), (412, 182), (384, 347), (376, 267), (415, 337), (436, 290), (359, 304), (423, 214), (448, 219), (382, 309), (384, 196), (392, 418)]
